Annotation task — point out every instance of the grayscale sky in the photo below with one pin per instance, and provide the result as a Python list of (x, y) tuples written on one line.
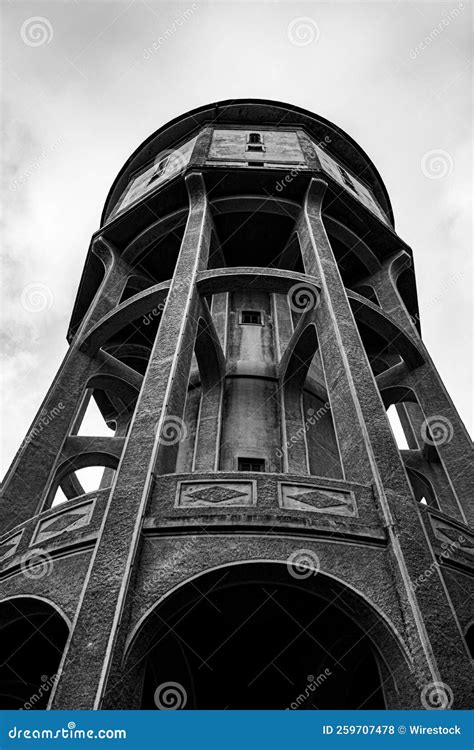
[(81, 90)]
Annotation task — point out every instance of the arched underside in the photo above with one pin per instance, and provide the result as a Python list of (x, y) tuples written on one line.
[(254, 635), (33, 634)]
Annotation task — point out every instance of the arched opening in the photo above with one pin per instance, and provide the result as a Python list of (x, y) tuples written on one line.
[(422, 489), (259, 239), (197, 446), (135, 283), (32, 639), (310, 444), (86, 472), (397, 428), (355, 259), (135, 356), (257, 636), (90, 420), (406, 287), (367, 291)]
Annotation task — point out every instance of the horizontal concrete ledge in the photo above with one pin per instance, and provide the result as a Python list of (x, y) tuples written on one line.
[(242, 277), (228, 475), (148, 302), (436, 513), (255, 526), (74, 548)]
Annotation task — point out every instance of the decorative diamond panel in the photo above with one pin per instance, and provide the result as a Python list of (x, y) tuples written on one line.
[(221, 494), (317, 500), (9, 546), (67, 520)]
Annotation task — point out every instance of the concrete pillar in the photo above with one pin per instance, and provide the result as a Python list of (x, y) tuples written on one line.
[(440, 421), (151, 447), (370, 456)]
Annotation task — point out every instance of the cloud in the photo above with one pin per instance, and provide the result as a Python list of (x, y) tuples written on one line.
[(78, 105)]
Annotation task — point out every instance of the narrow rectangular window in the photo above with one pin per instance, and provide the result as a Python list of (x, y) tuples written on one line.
[(255, 142), (251, 464), (251, 318)]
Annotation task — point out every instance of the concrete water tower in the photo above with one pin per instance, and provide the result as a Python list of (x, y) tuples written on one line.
[(256, 538)]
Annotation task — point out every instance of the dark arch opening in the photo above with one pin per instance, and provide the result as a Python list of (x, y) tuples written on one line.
[(422, 489), (256, 637), (367, 291), (407, 291), (156, 254), (256, 239), (32, 638)]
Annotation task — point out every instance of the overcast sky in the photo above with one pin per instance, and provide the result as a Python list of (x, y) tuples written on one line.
[(82, 89)]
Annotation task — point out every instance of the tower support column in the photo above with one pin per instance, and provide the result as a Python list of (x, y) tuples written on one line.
[(440, 424), (369, 455), (151, 447)]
